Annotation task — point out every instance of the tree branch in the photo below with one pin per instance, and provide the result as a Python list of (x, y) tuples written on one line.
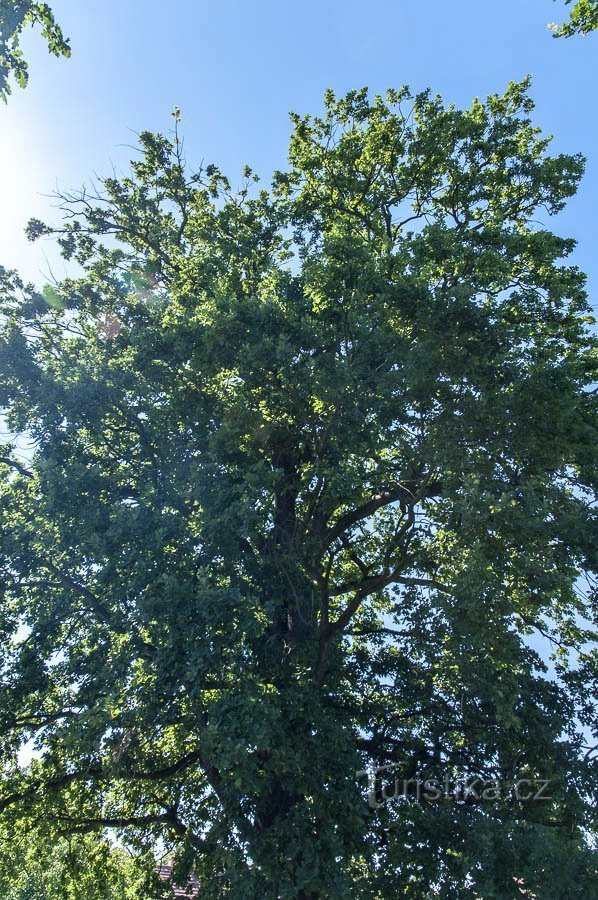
[(363, 512), (16, 465)]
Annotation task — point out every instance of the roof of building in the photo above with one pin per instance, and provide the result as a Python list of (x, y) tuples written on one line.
[(164, 870)]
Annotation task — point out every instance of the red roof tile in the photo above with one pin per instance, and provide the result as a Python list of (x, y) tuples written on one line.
[(164, 870)]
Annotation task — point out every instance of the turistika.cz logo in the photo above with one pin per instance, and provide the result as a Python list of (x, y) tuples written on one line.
[(384, 784)]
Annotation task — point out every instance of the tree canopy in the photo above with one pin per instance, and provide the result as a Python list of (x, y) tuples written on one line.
[(311, 465), (15, 15), (583, 19), (36, 864)]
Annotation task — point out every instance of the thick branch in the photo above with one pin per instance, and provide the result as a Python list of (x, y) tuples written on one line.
[(364, 512), (16, 465), (170, 818), (98, 774)]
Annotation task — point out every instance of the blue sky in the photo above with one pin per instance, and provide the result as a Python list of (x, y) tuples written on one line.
[(236, 69)]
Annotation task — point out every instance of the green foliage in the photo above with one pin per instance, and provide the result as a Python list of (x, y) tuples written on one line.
[(15, 15), (37, 864), (583, 19), (311, 464)]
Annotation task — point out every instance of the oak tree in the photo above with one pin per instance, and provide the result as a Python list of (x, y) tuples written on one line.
[(15, 16), (311, 467), (582, 20)]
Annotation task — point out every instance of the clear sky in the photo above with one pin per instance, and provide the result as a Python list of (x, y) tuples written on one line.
[(236, 69)]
